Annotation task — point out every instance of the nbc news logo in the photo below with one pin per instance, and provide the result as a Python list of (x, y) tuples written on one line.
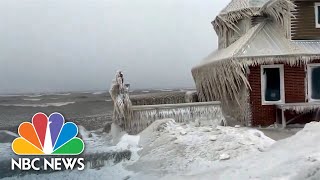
[(47, 136)]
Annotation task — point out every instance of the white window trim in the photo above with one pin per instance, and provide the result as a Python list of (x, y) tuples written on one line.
[(309, 67), (263, 85), (316, 5)]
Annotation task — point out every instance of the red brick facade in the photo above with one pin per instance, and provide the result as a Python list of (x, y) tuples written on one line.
[(261, 115), (294, 84)]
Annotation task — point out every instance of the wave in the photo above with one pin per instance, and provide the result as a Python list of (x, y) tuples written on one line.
[(10, 95), (21, 95), (56, 104), (166, 90), (34, 95), (26, 99), (109, 100), (99, 92), (61, 94)]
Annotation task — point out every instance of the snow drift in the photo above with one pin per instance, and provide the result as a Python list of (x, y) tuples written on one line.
[(170, 150), (294, 158)]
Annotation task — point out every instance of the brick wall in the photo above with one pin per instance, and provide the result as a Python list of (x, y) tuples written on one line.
[(261, 115), (294, 80), (294, 84)]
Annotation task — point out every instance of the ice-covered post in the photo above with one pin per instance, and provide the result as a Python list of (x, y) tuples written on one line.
[(122, 104)]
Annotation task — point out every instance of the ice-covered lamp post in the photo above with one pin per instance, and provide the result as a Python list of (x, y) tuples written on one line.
[(122, 105)]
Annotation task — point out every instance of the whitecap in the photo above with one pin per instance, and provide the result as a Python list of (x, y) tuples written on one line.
[(99, 92), (166, 90), (26, 99), (10, 95), (62, 94), (56, 104), (35, 95)]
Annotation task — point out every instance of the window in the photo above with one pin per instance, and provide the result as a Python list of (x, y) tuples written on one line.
[(272, 84), (314, 82), (317, 13)]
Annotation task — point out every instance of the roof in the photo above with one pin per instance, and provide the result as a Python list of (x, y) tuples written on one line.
[(309, 46), (271, 41), (264, 39), (234, 48), (278, 10), (237, 5)]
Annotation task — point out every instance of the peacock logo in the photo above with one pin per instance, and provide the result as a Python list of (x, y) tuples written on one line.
[(48, 136)]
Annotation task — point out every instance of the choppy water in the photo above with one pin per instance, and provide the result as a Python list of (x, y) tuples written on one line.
[(90, 109)]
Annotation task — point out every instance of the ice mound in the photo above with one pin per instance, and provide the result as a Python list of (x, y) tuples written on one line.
[(294, 158), (169, 147)]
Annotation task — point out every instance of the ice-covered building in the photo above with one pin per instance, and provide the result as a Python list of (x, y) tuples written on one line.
[(267, 65)]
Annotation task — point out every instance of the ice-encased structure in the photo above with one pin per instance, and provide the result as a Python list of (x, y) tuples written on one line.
[(143, 116), (121, 101), (173, 97), (153, 106)]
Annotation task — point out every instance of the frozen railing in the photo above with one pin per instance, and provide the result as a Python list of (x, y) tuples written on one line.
[(174, 97), (158, 98), (143, 116)]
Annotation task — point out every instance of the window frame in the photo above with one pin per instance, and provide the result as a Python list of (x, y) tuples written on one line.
[(316, 6), (263, 85), (309, 72)]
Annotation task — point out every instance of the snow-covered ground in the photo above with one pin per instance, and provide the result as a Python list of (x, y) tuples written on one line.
[(294, 158), (169, 150), (95, 143)]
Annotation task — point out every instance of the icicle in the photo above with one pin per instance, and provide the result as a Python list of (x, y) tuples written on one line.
[(279, 10), (98, 159), (121, 101), (158, 98), (185, 112), (300, 108)]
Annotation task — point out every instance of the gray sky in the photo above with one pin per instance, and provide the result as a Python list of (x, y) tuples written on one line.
[(66, 45)]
